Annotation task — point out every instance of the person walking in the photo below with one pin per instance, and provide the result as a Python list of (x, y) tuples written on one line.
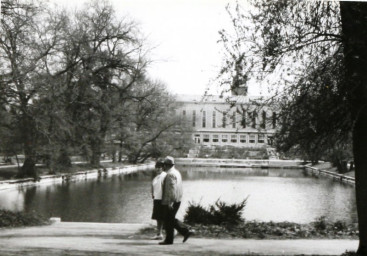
[(171, 199), (157, 189)]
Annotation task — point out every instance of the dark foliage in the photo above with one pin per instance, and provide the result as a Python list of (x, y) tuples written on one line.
[(229, 152), (19, 219), (197, 213), (274, 230), (320, 224), (220, 213)]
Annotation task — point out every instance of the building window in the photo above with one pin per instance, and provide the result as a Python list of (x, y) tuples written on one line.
[(224, 138), (224, 120), (243, 138), (274, 121), (252, 138), (215, 138), (234, 120), (243, 121), (193, 118), (197, 138), (270, 140), (206, 138), (234, 138), (184, 112), (261, 138), (263, 124), (214, 119), (204, 119), (254, 115)]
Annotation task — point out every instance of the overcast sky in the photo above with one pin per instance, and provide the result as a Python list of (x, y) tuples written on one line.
[(185, 33)]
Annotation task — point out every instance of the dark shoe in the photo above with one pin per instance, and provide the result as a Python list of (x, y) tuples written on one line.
[(164, 243), (188, 234)]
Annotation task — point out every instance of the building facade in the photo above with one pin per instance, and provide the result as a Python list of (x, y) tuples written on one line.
[(238, 121)]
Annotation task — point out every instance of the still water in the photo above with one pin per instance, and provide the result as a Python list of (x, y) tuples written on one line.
[(273, 195)]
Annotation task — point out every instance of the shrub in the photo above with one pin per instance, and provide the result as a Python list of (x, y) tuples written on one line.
[(349, 253), (196, 213), (340, 226), (18, 219), (228, 214), (320, 224), (230, 152), (218, 214)]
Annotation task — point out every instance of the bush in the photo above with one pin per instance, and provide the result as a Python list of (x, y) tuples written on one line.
[(231, 152), (228, 214), (349, 253), (340, 226), (19, 219), (320, 224), (218, 214), (196, 213)]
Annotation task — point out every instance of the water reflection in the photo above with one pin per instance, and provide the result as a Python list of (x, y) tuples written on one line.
[(274, 195)]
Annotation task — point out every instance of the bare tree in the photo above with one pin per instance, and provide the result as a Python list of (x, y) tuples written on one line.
[(25, 45), (102, 59), (151, 127)]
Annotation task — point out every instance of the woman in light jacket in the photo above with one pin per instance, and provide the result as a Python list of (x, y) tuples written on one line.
[(157, 189)]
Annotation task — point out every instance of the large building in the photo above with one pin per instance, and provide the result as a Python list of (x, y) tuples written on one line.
[(238, 121)]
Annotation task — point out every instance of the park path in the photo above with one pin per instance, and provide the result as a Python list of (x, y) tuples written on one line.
[(77, 238)]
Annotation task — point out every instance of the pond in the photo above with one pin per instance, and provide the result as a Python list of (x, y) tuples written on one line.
[(273, 195)]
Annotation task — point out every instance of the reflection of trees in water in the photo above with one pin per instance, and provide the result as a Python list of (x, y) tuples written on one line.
[(142, 175), (29, 196)]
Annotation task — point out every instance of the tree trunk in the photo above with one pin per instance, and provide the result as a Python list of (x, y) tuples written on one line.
[(113, 155), (354, 28), (360, 158), (120, 152), (29, 166), (96, 154)]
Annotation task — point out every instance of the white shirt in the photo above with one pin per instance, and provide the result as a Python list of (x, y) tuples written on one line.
[(157, 185)]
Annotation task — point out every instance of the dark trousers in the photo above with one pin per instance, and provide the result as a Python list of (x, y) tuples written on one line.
[(172, 223)]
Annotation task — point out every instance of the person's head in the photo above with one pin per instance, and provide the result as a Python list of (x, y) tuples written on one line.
[(159, 165), (169, 161)]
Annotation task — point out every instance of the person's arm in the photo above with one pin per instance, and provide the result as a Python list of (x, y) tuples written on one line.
[(152, 190), (152, 186), (169, 190), (172, 183)]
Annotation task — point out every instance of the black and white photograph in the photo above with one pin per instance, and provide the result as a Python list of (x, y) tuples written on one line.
[(183, 127)]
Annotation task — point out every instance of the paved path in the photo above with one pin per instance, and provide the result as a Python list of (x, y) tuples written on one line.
[(73, 238)]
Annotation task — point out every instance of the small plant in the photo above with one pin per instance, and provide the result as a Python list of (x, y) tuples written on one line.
[(218, 214), (340, 226), (320, 224), (196, 213), (349, 253), (228, 214)]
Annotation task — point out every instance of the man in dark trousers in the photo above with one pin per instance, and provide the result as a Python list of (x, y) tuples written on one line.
[(172, 195)]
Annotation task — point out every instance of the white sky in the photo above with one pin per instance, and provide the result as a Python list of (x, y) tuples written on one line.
[(184, 33)]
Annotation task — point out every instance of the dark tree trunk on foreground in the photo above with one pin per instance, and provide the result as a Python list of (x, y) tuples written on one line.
[(28, 132), (354, 28)]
